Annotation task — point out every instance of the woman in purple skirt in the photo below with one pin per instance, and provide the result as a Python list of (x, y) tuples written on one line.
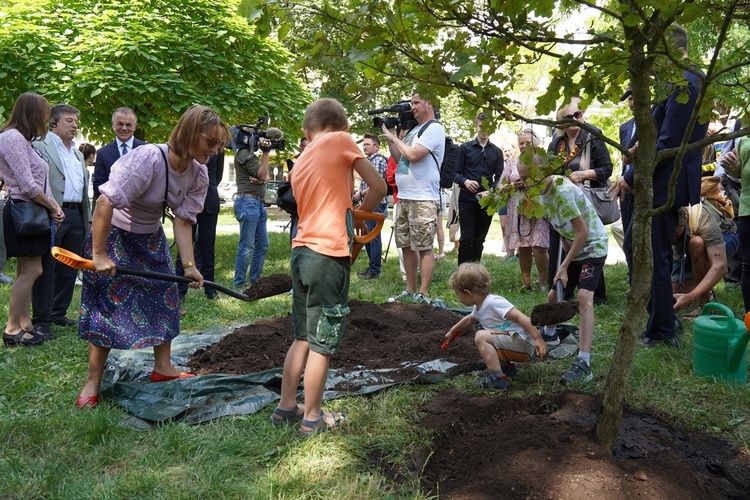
[(128, 312)]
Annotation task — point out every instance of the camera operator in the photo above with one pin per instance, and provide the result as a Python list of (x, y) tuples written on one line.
[(419, 156), (250, 211)]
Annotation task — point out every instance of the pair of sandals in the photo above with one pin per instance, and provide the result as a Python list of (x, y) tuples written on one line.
[(313, 426)]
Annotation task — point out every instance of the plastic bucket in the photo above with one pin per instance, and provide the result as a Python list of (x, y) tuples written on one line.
[(719, 345)]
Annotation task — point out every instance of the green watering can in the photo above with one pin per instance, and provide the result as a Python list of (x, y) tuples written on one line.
[(720, 344)]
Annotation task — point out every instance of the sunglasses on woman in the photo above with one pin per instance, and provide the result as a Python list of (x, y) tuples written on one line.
[(577, 115)]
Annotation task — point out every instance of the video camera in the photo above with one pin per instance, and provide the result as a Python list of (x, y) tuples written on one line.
[(247, 136), (404, 121)]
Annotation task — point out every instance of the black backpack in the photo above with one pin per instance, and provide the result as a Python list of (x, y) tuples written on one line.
[(450, 159)]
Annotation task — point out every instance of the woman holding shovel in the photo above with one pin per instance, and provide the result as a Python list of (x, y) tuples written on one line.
[(123, 312)]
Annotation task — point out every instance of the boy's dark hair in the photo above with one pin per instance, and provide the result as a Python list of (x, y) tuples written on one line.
[(325, 113), (470, 276), (373, 137)]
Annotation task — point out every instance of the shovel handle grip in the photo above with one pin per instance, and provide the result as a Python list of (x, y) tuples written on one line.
[(365, 215)]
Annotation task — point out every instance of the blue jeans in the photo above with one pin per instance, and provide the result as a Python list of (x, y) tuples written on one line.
[(253, 245), (375, 247)]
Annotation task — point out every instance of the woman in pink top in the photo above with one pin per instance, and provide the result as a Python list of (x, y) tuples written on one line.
[(127, 312), (25, 174)]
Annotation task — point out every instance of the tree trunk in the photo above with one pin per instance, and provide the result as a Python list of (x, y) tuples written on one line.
[(608, 422)]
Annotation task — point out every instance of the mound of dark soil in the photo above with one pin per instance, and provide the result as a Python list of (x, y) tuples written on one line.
[(375, 337), (544, 447), (496, 446)]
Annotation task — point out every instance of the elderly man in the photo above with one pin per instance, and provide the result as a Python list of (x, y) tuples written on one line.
[(68, 179), (124, 124)]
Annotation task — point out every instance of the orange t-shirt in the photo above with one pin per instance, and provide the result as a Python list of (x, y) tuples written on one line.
[(322, 182)]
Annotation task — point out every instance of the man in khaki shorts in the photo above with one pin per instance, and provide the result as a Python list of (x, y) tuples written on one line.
[(419, 156)]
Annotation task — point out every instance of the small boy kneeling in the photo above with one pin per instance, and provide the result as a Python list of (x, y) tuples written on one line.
[(507, 333)]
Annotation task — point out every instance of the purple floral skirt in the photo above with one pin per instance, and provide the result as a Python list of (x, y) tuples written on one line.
[(130, 312)]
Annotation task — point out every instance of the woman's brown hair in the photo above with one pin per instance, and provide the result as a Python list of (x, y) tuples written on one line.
[(29, 116), (197, 120)]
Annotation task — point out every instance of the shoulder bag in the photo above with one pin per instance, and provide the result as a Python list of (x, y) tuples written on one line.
[(606, 207), (29, 218)]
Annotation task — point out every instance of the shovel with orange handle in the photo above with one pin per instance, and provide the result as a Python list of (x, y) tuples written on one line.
[(366, 238)]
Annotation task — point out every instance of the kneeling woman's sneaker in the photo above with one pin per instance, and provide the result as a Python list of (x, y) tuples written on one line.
[(493, 382)]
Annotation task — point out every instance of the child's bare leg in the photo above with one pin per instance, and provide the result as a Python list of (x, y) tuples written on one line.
[(316, 374), (294, 363), (483, 341), (586, 326)]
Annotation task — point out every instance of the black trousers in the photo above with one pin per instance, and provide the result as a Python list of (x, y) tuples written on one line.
[(53, 290), (475, 224), (204, 245), (661, 321)]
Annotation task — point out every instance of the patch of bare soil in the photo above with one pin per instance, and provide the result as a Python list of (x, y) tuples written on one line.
[(544, 447), (496, 446)]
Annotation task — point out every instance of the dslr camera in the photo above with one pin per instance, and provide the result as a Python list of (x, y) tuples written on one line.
[(248, 136), (404, 120)]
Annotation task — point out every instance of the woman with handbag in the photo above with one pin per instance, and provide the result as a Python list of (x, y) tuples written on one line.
[(529, 238), (25, 174), (589, 162), (122, 312)]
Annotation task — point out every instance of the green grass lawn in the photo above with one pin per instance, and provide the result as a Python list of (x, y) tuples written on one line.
[(51, 449)]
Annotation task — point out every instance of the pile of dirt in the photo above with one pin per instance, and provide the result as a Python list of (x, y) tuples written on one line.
[(375, 337), (496, 446), (544, 447)]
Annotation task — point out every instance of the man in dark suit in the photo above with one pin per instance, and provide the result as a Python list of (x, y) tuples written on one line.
[(204, 231), (672, 117), (124, 124), (68, 179)]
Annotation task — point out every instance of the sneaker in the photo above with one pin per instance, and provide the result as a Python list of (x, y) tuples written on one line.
[(5, 279), (401, 296), (551, 340), (509, 369), (580, 371), (492, 382), (421, 298), (367, 275), (439, 256)]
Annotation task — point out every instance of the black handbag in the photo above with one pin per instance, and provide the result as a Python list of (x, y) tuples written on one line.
[(29, 218), (607, 207)]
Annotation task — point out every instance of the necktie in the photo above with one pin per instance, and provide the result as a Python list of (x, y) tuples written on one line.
[(124, 149)]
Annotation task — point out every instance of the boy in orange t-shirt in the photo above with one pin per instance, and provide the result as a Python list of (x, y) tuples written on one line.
[(322, 183)]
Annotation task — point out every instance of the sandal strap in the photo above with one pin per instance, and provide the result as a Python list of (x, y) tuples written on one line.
[(287, 414)]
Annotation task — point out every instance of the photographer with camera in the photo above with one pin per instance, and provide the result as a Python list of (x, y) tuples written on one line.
[(419, 156), (249, 208)]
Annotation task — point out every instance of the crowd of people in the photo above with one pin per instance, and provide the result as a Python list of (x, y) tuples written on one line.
[(135, 184)]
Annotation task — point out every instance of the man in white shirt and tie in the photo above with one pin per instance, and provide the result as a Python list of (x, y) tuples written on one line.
[(124, 124), (68, 180)]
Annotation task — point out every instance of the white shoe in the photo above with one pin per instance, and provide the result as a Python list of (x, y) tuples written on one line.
[(439, 256)]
